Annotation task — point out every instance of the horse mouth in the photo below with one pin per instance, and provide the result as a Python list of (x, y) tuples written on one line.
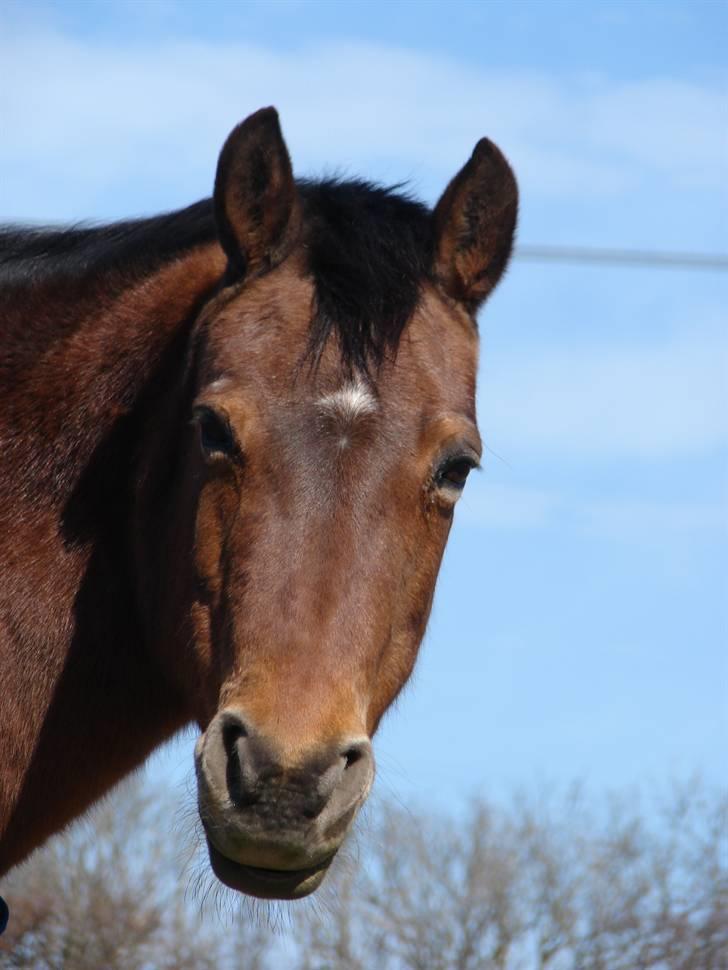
[(267, 883)]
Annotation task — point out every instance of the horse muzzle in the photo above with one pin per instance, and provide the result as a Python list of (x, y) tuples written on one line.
[(274, 824)]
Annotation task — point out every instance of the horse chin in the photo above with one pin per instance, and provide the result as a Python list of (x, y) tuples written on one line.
[(267, 883)]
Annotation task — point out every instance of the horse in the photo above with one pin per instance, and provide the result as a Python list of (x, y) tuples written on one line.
[(233, 437)]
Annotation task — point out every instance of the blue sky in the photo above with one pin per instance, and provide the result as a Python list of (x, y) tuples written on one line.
[(580, 624)]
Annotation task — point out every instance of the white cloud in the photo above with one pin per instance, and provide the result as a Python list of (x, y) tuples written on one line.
[(79, 117), (91, 114), (607, 403), (496, 506), (668, 126), (635, 519)]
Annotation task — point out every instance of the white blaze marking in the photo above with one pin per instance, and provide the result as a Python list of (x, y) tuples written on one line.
[(349, 402)]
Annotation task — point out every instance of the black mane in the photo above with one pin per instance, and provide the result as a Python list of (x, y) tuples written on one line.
[(369, 249), (134, 247)]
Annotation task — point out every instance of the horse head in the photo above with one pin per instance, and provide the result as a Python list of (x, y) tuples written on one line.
[(323, 438)]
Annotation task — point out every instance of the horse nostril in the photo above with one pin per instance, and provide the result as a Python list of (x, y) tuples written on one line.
[(351, 757), (241, 772), (354, 753), (233, 730), (245, 769)]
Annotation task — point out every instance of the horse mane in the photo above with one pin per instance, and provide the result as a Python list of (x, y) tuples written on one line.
[(31, 256), (368, 249)]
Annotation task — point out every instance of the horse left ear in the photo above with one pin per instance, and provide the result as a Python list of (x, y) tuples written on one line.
[(475, 223), (257, 208)]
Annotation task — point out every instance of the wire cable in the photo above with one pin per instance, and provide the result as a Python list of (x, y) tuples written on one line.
[(623, 257)]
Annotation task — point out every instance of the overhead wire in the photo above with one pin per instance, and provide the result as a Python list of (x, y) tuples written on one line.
[(653, 259)]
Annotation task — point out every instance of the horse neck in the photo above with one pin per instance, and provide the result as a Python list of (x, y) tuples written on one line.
[(83, 702)]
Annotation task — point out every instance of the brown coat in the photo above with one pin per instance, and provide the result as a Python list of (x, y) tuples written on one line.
[(231, 448)]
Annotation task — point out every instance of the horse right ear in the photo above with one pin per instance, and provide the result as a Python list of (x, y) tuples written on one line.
[(475, 222), (257, 208)]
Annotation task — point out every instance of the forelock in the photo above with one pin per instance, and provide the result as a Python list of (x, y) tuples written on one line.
[(368, 251)]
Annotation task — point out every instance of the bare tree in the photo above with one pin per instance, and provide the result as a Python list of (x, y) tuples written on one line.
[(542, 883), (109, 894)]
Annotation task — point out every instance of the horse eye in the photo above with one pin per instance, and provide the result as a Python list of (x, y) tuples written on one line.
[(454, 473), (215, 435)]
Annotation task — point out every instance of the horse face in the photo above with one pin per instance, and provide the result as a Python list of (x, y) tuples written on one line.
[(312, 515)]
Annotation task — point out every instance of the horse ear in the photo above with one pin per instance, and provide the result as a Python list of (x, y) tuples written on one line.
[(257, 208), (475, 222)]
